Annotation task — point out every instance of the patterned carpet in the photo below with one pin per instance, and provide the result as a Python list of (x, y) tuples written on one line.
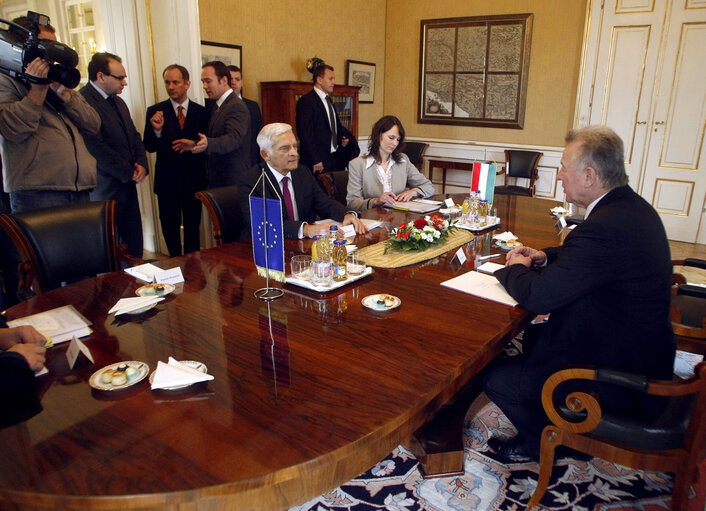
[(395, 484)]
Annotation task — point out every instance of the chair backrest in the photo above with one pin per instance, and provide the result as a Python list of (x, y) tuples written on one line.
[(223, 207), (522, 164), (415, 151), (64, 243), (336, 184)]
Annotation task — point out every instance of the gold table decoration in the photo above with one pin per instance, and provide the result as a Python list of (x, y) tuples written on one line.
[(374, 255)]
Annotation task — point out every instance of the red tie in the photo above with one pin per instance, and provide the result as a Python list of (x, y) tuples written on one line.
[(180, 116), (287, 198)]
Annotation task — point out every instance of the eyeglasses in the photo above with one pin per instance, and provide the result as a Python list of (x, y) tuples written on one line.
[(118, 78)]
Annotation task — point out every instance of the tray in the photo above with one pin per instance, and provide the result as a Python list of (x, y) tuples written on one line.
[(334, 285), (477, 229)]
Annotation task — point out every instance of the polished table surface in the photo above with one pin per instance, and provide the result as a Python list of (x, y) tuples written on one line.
[(292, 412)]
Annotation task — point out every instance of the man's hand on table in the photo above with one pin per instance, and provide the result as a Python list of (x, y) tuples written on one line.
[(525, 256)]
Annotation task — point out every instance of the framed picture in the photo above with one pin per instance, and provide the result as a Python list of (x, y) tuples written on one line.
[(229, 54), (362, 74), (473, 71)]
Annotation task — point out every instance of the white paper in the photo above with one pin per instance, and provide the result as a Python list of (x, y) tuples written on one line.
[(558, 211), (143, 271), (504, 236), (348, 231), (129, 304), (76, 347), (415, 206), (351, 248), (489, 267), (174, 374), (57, 325), (370, 223), (460, 255), (562, 221), (481, 285), (170, 276), (449, 202)]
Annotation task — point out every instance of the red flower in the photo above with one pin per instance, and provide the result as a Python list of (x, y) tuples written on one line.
[(405, 235), (399, 234), (420, 223), (402, 225)]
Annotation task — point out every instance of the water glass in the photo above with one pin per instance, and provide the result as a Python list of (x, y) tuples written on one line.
[(354, 265), (322, 275), (492, 216), (301, 267)]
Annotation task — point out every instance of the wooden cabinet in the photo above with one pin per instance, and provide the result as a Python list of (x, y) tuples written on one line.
[(279, 102)]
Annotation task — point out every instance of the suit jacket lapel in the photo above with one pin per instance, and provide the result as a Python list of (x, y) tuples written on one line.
[(323, 110)]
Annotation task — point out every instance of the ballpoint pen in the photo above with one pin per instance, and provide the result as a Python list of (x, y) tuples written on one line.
[(488, 257)]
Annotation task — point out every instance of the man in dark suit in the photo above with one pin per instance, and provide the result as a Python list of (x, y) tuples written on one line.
[(179, 173), (607, 289), (256, 123), (121, 160), (302, 198), (325, 144), (228, 138)]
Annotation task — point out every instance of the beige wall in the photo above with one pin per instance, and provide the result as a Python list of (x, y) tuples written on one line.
[(278, 37), (553, 73)]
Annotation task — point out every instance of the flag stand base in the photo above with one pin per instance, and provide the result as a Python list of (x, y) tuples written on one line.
[(267, 294)]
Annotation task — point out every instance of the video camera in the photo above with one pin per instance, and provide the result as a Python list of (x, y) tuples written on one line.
[(20, 46)]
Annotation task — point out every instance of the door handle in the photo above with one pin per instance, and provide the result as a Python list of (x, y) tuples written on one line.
[(659, 122), (641, 122)]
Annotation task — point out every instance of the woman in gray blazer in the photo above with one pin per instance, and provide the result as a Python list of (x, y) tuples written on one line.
[(385, 174)]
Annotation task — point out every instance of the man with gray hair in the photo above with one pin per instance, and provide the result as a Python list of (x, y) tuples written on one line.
[(607, 290), (302, 198)]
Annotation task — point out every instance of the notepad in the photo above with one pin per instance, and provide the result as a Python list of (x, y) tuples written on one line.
[(58, 325), (414, 206), (481, 285)]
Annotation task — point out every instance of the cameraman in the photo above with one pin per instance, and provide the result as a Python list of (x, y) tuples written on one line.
[(45, 160)]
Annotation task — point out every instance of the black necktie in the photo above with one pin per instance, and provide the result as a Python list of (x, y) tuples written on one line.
[(332, 120)]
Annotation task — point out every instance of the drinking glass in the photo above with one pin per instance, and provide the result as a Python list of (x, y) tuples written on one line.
[(301, 267), (322, 275), (492, 216), (354, 265)]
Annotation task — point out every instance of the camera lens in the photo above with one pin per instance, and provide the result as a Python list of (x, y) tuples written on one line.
[(64, 75)]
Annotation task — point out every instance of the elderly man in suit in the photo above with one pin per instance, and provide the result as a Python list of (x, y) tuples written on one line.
[(325, 144), (607, 289), (302, 198), (120, 156), (228, 138), (179, 173), (256, 123)]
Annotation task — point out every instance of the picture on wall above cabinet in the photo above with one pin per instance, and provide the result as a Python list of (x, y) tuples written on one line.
[(362, 74), (473, 71), (229, 54)]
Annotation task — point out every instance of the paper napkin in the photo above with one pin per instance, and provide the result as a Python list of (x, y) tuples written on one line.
[(505, 236), (174, 374), (130, 304), (559, 211)]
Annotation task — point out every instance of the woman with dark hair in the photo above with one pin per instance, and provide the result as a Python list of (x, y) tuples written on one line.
[(385, 174)]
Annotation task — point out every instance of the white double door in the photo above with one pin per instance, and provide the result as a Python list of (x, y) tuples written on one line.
[(644, 75)]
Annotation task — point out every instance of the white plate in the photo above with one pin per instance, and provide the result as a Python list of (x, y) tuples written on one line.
[(199, 366), (142, 371), (153, 290), (334, 285), (371, 302), (477, 229), (503, 245)]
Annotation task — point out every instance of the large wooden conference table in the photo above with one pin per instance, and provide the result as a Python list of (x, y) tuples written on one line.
[(309, 391)]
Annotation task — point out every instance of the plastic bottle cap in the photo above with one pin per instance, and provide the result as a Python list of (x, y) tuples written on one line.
[(339, 242), (315, 238), (333, 228)]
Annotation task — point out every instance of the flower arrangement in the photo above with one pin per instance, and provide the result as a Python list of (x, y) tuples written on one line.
[(419, 234)]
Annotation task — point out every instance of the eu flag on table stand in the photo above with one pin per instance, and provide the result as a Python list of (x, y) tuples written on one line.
[(266, 225)]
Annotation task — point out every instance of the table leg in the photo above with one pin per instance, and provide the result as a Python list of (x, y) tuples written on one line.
[(438, 444), (443, 180)]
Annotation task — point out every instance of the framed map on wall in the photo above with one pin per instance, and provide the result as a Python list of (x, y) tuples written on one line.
[(473, 71)]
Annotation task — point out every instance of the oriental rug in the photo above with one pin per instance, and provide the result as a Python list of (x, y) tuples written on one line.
[(396, 484)]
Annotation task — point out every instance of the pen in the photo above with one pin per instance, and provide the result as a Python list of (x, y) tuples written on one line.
[(488, 257)]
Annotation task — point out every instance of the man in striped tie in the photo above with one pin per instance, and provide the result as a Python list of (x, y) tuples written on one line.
[(179, 173)]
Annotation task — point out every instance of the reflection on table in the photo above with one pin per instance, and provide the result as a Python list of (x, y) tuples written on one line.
[(309, 390)]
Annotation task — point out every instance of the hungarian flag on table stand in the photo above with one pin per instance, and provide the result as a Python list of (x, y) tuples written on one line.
[(484, 180)]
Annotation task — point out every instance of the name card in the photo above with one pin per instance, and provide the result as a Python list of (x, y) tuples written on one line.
[(75, 348), (348, 231), (449, 202), (170, 276), (562, 221), (460, 255)]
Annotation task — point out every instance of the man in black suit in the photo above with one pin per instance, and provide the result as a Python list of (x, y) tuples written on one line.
[(325, 144), (228, 138), (120, 156), (302, 198), (256, 123), (179, 173), (607, 289)]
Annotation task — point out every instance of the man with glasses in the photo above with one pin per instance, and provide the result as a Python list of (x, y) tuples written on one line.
[(118, 150)]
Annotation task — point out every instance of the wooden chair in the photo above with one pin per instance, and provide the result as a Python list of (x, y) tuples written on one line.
[(223, 207), (671, 442), (335, 184), (415, 151), (688, 309), (65, 244), (520, 164)]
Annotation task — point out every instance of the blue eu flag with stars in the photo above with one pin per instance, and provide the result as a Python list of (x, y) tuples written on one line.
[(267, 237)]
